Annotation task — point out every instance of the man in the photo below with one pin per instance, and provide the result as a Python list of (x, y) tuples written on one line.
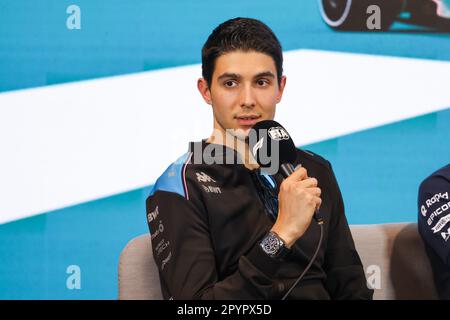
[(434, 226), (210, 221)]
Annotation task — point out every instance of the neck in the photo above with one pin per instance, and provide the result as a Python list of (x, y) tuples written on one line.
[(236, 143)]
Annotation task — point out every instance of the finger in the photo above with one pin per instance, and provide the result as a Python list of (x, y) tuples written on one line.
[(318, 202), (308, 183), (299, 174), (314, 191)]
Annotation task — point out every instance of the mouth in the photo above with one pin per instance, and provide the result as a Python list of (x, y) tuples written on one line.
[(247, 120)]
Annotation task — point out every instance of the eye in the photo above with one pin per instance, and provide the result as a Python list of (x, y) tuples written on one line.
[(230, 83), (262, 82)]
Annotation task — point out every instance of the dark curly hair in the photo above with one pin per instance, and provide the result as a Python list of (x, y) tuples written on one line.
[(244, 34)]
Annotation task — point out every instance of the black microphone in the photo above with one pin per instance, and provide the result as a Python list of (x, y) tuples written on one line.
[(268, 134)]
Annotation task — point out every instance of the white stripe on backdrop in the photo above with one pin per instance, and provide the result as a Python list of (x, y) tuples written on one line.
[(67, 144)]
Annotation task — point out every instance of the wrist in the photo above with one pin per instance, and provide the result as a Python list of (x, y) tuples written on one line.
[(274, 246), (285, 235)]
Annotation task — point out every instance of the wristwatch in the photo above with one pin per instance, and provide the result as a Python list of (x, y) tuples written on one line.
[(274, 246)]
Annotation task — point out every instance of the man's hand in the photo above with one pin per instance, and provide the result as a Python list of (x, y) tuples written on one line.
[(298, 199)]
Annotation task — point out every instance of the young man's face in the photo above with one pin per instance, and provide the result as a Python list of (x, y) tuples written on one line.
[(244, 90)]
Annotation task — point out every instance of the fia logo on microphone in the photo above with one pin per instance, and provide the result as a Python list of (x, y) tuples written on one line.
[(278, 133)]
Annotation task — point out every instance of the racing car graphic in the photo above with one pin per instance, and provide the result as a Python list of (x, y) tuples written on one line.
[(353, 14)]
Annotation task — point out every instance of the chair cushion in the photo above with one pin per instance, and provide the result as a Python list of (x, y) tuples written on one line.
[(138, 273), (398, 253)]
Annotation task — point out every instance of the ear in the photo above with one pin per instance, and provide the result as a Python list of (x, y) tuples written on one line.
[(203, 88), (281, 88)]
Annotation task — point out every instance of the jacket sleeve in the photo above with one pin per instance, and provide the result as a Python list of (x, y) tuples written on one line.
[(184, 254), (345, 273), (434, 216)]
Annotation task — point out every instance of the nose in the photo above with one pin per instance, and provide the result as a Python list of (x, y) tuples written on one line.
[(247, 97)]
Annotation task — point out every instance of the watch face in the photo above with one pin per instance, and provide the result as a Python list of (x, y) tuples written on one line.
[(270, 244)]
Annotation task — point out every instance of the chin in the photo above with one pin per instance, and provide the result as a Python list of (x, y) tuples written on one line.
[(242, 133)]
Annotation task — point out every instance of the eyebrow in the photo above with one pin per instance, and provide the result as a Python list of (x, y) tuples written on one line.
[(265, 74), (238, 76)]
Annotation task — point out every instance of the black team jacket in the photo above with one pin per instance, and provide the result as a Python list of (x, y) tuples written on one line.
[(206, 221)]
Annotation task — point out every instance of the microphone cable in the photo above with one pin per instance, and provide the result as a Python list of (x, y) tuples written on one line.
[(320, 223)]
